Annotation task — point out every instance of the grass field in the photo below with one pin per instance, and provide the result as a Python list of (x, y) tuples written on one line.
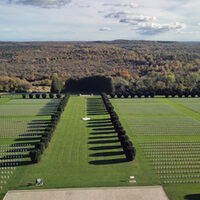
[(170, 140), (21, 122), (83, 154), (165, 132)]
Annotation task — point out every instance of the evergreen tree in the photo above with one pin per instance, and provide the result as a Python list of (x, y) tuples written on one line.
[(56, 85)]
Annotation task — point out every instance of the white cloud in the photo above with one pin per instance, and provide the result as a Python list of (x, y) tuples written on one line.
[(155, 28), (129, 5), (118, 15), (143, 24), (105, 29), (137, 19), (42, 3)]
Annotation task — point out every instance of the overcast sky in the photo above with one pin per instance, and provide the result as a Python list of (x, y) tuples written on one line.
[(86, 20)]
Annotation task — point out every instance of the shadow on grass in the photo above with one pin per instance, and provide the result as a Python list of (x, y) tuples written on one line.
[(15, 164), (105, 128), (48, 109), (105, 148), (110, 153), (99, 125), (95, 107), (103, 137), (28, 139), (10, 157), (102, 133), (17, 154), (108, 162), (192, 197), (100, 120), (103, 142), (36, 122)]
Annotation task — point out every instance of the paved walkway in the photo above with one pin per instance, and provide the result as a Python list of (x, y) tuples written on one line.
[(120, 193)]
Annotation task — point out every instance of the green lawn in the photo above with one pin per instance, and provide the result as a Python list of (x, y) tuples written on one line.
[(170, 140), (84, 154), (165, 132), (21, 127), (144, 108)]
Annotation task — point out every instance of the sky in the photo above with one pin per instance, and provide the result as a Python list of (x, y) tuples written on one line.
[(91, 20)]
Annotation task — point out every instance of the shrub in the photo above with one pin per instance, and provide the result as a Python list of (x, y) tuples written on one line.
[(58, 96), (30, 96), (152, 94), (130, 153), (119, 95), (23, 96), (35, 156), (123, 139), (40, 146), (37, 96), (112, 95), (129, 150), (132, 95), (121, 132), (51, 95), (44, 95), (126, 94), (45, 141)]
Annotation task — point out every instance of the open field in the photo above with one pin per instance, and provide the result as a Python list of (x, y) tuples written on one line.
[(170, 141)]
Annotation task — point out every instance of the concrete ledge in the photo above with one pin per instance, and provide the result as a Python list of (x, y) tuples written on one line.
[(109, 193)]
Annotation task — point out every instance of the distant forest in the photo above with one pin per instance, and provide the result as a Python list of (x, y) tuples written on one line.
[(142, 64)]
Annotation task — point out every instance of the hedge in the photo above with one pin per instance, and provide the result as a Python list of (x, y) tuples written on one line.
[(126, 144)]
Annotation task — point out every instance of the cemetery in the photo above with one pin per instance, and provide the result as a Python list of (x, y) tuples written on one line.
[(45, 143)]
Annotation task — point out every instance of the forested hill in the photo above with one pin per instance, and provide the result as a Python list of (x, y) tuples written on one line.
[(126, 61)]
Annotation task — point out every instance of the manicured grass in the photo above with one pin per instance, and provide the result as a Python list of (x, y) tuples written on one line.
[(164, 125), (11, 128), (144, 108), (84, 154), (171, 142), (20, 130), (26, 110), (88, 153), (136, 100), (33, 101), (193, 106), (185, 100)]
